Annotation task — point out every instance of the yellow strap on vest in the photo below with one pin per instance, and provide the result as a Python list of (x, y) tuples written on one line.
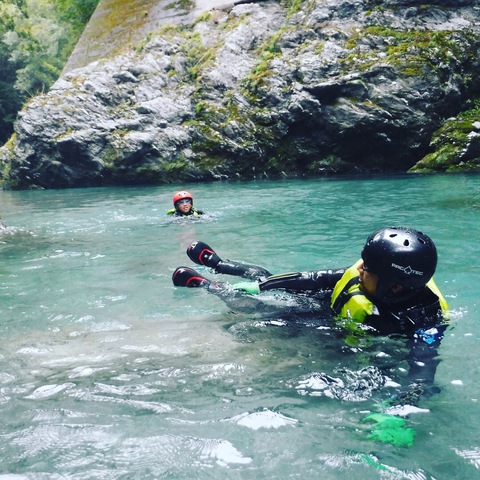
[(433, 287)]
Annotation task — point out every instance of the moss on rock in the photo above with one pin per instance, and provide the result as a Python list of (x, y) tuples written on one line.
[(456, 144)]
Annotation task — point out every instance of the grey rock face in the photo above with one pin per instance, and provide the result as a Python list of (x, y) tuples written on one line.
[(253, 90)]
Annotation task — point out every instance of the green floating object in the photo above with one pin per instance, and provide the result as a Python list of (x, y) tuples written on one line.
[(249, 287), (390, 429)]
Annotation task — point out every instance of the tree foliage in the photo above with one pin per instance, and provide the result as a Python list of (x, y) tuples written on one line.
[(36, 39)]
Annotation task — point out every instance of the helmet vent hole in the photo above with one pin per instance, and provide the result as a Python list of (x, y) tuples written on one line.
[(406, 243)]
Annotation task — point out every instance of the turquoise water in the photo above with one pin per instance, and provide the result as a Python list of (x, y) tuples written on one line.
[(107, 371)]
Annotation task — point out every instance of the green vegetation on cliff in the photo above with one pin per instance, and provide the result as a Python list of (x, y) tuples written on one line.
[(456, 144), (413, 52), (36, 39)]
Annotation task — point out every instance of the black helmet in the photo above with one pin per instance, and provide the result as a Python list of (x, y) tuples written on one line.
[(399, 255)]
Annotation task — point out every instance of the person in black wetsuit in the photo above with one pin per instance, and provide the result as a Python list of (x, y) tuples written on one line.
[(183, 205), (390, 290)]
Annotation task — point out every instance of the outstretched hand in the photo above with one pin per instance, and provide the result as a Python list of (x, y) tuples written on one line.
[(249, 287)]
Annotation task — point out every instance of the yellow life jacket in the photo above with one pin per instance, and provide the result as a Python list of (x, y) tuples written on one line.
[(348, 301), (443, 303), (172, 211)]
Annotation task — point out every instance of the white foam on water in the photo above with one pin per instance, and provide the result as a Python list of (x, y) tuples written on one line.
[(264, 419)]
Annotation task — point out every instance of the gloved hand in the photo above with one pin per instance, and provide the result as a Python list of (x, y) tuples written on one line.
[(249, 287), (390, 429)]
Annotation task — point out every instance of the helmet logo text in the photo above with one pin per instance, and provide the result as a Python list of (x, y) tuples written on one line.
[(407, 270)]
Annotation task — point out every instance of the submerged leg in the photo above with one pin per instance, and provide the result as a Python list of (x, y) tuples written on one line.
[(202, 254), (234, 297)]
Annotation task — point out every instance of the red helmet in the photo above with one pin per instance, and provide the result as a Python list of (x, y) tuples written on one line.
[(181, 195)]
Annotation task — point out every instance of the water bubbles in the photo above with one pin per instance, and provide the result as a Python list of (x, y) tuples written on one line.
[(352, 386)]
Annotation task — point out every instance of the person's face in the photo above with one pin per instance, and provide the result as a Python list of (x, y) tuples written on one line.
[(184, 205), (368, 280)]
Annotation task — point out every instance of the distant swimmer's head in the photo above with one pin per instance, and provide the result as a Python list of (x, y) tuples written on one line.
[(183, 201)]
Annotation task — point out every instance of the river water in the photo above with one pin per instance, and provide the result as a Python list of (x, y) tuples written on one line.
[(107, 371)]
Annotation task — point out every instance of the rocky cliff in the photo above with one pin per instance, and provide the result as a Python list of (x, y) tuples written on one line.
[(259, 89)]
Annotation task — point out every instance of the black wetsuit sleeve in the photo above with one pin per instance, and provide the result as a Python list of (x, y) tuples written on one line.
[(318, 280), (423, 362)]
